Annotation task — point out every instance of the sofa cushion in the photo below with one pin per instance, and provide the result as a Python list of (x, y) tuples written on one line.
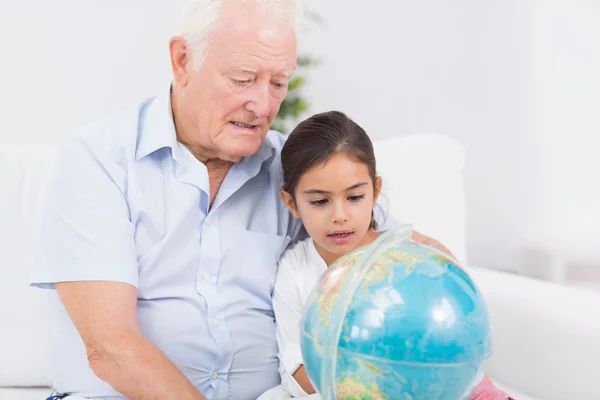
[(514, 393), (25, 393), (545, 337)]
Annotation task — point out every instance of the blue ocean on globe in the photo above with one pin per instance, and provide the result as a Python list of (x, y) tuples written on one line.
[(395, 320)]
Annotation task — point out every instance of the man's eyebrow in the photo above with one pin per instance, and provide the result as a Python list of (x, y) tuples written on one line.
[(248, 69), (242, 68), (287, 73)]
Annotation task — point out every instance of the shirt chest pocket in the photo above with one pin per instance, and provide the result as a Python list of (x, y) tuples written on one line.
[(252, 262)]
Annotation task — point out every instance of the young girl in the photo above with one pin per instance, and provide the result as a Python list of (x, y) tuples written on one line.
[(330, 184)]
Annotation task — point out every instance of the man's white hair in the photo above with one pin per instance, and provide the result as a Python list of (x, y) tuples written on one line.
[(200, 17)]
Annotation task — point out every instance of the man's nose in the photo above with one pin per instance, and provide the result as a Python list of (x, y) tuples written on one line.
[(260, 101)]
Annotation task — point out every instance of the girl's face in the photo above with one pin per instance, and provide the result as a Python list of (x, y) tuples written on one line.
[(335, 201)]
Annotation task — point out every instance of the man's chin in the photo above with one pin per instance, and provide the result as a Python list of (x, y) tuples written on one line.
[(236, 146), (236, 153)]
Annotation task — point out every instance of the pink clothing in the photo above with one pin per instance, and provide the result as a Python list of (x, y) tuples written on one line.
[(487, 391)]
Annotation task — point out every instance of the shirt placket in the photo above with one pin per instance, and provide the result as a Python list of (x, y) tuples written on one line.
[(207, 286)]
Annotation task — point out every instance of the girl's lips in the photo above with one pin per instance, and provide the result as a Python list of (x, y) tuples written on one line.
[(340, 237)]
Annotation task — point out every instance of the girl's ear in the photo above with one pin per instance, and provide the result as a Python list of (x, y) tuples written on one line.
[(377, 189), (289, 203)]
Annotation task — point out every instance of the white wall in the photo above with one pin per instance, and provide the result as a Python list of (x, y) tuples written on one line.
[(67, 62), (565, 65), (515, 82)]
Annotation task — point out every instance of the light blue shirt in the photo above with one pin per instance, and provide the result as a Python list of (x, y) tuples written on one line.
[(126, 202)]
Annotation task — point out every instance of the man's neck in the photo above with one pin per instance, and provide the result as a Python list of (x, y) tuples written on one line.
[(217, 171)]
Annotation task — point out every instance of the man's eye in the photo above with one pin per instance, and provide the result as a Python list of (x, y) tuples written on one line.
[(318, 202), (357, 197), (279, 85), (241, 82)]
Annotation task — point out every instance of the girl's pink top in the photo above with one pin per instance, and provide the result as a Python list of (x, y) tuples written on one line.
[(487, 391)]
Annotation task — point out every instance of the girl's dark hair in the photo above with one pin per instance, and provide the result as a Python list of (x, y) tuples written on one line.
[(315, 140)]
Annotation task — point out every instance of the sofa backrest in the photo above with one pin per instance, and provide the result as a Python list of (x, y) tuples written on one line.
[(423, 185), (23, 316)]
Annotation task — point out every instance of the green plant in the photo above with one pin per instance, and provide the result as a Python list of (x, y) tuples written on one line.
[(295, 103)]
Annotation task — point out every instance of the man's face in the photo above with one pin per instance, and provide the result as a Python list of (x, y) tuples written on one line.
[(235, 95)]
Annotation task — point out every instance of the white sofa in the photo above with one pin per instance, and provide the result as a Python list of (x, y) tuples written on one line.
[(546, 337)]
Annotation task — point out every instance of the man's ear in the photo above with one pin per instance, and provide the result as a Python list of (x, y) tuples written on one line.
[(377, 189), (289, 203), (180, 58)]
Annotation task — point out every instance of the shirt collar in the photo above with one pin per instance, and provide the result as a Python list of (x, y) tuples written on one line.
[(264, 155), (157, 129)]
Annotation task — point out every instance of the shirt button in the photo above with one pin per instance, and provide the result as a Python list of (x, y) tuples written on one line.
[(208, 221), (214, 375), (206, 276), (214, 322)]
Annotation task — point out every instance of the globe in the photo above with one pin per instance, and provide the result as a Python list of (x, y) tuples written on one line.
[(395, 320)]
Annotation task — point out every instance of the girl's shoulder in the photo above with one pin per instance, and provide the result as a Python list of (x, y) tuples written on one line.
[(299, 257)]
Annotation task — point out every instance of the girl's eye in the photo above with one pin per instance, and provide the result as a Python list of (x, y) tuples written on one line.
[(318, 202), (357, 197)]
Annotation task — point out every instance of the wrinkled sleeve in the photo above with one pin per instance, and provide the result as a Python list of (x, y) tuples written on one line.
[(84, 232), (288, 308)]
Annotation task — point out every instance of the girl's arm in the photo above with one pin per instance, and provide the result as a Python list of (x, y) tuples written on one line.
[(302, 378), (288, 307)]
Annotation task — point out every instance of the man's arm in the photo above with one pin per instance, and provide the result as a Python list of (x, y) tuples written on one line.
[(104, 314), (86, 250)]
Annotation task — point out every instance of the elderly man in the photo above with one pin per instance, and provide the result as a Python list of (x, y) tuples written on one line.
[(162, 226)]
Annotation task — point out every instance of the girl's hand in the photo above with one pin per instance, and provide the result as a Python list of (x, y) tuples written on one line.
[(426, 240)]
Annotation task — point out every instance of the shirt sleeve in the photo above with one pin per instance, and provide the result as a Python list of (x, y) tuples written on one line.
[(288, 308), (84, 231)]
